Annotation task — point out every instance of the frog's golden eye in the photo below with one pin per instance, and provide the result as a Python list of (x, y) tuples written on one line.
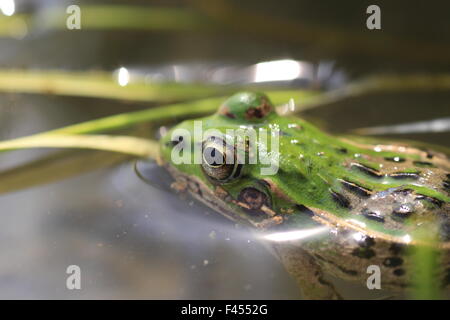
[(218, 159)]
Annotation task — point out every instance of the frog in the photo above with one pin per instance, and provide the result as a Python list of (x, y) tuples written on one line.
[(366, 199)]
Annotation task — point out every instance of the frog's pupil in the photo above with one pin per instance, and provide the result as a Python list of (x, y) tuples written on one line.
[(213, 157)]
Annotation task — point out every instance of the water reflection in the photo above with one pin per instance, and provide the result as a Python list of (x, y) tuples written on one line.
[(123, 76), (8, 7), (279, 70), (303, 74), (296, 235), (435, 125)]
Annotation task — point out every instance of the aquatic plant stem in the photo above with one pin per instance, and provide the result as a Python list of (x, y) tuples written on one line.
[(382, 84), (71, 136), (123, 144), (172, 111), (96, 84)]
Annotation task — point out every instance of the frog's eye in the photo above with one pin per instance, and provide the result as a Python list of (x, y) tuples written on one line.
[(218, 160), (214, 157)]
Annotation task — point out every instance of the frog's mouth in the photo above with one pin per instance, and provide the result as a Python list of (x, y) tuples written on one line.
[(200, 191), (241, 210)]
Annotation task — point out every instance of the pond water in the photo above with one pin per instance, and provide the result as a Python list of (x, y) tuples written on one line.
[(138, 239), (131, 238)]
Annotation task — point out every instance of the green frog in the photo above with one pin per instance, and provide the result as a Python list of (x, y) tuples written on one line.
[(362, 201)]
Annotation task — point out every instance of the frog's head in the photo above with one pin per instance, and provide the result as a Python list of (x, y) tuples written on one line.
[(255, 165), (227, 158)]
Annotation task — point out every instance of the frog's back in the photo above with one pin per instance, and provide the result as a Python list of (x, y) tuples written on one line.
[(389, 191), (380, 224), (396, 198)]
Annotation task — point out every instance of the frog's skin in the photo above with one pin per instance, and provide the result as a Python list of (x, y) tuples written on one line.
[(372, 197)]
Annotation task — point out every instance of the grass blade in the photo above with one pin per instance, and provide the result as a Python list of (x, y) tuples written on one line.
[(123, 144)]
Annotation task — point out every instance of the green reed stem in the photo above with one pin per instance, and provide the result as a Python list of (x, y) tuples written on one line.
[(101, 85), (64, 137), (123, 144)]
